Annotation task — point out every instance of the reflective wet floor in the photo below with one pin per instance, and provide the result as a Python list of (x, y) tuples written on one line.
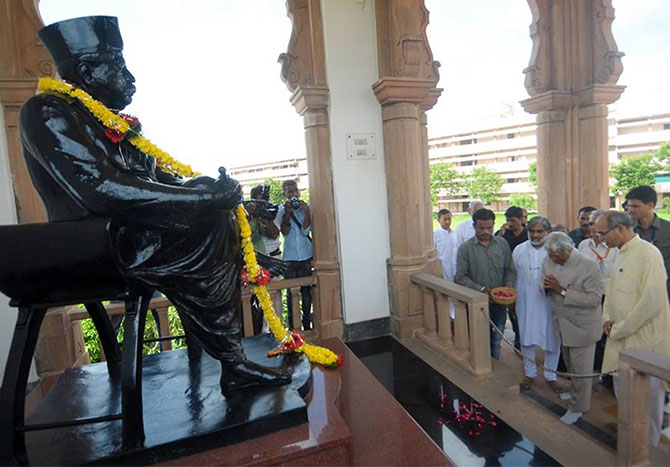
[(466, 431)]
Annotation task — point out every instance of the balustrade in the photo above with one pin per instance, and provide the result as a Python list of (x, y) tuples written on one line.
[(636, 366), (467, 342)]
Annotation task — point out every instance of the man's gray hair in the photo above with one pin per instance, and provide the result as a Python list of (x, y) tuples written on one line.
[(543, 221), (559, 241), (615, 218), (597, 213), (474, 202)]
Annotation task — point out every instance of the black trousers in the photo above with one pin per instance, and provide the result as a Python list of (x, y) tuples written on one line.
[(296, 269)]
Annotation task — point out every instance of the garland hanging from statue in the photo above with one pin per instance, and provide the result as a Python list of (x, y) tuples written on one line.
[(254, 274)]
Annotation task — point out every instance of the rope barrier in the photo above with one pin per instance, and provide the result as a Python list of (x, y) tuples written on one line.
[(542, 367)]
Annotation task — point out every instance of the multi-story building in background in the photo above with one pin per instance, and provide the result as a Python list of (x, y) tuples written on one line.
[(255, 174), (506, 147)]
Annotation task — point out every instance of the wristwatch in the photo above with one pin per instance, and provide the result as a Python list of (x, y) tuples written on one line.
[(564, 292)]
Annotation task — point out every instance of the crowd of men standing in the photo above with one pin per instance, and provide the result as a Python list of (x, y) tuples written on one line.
[(583, 296)]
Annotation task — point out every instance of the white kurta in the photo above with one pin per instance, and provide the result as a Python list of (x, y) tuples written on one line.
[(533, 308), (462, 233), (444, 244)]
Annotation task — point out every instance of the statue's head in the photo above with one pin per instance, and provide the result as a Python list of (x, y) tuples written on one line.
[(88, 53)]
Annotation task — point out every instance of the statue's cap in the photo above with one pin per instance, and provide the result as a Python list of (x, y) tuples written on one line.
[(79, 37)]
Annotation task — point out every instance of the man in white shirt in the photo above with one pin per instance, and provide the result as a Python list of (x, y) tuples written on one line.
[(533, 308), (466, 230), (604, 256), (443, 237)]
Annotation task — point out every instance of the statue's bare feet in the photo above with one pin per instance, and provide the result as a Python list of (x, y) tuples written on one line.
[(248, 374)]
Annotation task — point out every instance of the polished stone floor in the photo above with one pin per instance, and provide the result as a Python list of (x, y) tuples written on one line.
[(467, 432)]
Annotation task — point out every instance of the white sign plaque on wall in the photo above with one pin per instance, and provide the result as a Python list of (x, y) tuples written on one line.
[(361, 146)]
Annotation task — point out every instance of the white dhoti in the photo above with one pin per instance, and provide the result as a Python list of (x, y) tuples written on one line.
[(533, 310)]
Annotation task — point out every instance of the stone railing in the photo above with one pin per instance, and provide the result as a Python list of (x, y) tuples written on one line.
[(467, 342), (161, 304), (275, 288), (636, 366)]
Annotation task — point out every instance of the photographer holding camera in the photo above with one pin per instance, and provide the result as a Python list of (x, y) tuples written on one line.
[(296, 227), (264, 230)]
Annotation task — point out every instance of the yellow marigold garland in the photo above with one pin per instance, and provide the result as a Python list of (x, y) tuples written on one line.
[(113, 121), (315, 354)]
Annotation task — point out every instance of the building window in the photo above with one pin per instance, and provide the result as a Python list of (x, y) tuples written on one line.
[(511, 158), (465, 163), (467, 141), (511, 135), (511, 180), (666, 126)]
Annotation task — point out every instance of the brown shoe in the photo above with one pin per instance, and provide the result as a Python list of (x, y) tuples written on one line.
[(555, 387), (526, 383)]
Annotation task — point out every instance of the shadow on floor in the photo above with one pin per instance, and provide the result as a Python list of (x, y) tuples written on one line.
[(467, 432)]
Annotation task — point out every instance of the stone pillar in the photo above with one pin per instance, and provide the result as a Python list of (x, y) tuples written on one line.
[(312, 103), (571, 78), (23, 59), (405, 90), (303, 71)]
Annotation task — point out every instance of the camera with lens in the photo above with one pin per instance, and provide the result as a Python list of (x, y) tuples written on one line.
[(295, 203), (260, 206)]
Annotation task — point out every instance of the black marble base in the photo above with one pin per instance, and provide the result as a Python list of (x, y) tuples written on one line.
[(184, 411)]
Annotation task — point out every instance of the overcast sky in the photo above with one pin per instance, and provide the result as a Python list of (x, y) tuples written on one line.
[(208, 81)]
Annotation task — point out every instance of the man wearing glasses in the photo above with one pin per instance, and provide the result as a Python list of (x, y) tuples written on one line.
[(636, 310)]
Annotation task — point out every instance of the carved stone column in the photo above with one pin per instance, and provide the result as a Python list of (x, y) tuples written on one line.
[(405, 90), (571, 77), (23, 59), (304, 73)]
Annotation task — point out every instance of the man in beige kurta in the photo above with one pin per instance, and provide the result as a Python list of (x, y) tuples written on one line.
[(575, 289), (636, 311)]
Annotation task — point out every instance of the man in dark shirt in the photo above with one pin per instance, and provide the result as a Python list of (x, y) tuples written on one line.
[(641, 201), (484, 263), (515, 233), (584, 230)]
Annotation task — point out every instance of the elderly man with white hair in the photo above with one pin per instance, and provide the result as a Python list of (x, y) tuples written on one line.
[(573, 284), (466, 230), (533, 307)]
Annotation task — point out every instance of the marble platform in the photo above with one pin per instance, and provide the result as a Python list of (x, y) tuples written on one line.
[(352, 420)]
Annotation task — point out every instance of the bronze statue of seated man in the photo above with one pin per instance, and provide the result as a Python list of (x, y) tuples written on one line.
[(170, 233)]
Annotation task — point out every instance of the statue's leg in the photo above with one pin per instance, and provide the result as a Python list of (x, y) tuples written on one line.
[(218, 330)]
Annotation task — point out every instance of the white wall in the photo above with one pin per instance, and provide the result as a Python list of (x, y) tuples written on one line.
[(7, 216), (360, 186)]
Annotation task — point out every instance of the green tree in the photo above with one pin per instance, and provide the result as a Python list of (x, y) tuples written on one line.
[(276, 191), (484, 184), (443, 177), (634, 171), (532, 174), (523, 200), (663, 156)]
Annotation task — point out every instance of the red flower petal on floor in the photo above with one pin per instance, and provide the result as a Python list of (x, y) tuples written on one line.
[(493, 424), (439, 421)]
